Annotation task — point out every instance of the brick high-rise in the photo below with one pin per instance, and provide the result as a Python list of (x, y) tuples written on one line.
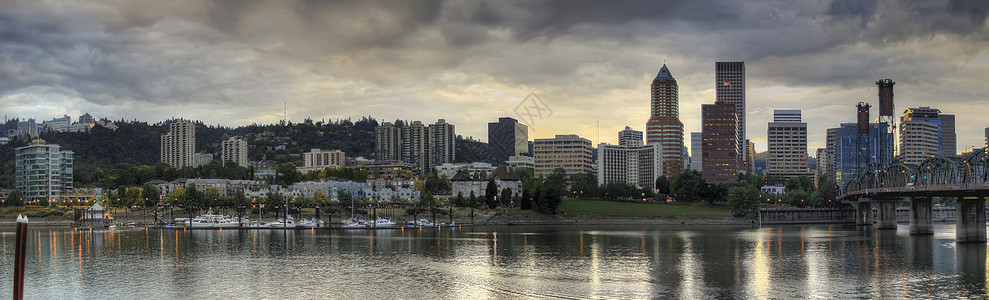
[(664, 127), (729, 87)]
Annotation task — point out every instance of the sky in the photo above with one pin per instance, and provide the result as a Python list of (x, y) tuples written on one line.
[(581, 67)]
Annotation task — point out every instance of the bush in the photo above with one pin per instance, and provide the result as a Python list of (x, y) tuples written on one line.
[(46, 213)]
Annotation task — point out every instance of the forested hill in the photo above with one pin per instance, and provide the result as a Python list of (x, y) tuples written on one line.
[(138, 143)]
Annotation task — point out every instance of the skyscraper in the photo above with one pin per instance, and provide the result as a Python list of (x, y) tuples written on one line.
[(442, 143), (826, 165), (629, 137), (178, 146), (847, 152), (235, 150), (415, 146), (696, 159), (507, 138), (787, 140), (720, 149), (664, 127), (388, 142), (42, 170), (925, 132), (729, 87)]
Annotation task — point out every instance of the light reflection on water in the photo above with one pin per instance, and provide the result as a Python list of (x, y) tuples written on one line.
[(814, 261)]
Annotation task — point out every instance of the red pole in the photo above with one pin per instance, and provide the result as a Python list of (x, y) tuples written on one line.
[(19, 248)]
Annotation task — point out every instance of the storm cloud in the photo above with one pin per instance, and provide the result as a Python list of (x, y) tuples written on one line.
[(470, 62)]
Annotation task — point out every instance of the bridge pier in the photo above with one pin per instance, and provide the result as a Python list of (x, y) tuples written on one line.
[(863, 213), (887, 215), (970, 226), (921, 211)]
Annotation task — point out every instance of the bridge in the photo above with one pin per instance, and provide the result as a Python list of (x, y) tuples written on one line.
[(964, 178)]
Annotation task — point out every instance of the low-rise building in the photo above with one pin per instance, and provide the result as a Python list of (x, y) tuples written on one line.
[(451, 169)]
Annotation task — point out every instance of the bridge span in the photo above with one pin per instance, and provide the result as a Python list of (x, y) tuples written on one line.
[(964, 178)]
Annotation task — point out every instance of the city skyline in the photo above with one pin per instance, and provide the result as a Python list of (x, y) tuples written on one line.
[(236, 64)]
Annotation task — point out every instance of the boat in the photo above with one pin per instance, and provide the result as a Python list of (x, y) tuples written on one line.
[(211, 220), (226, 222), (287, 222), (383, 223), (354, 223), (311, 223), (424, 223)]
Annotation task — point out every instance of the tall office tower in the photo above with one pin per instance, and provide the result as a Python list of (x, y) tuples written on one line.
[(847, 153), (42, 170), (750, 156), (664, 127), (387, 142), (720, 149), (729, 87), (949, 139), (829, 147), (442, 144), (925, 132), (568, 151), (696, 160), (415, 146), (638, 165), (787, 140), (178, 146), (235, 150), (507, 138), (629, 137), (822, 160)]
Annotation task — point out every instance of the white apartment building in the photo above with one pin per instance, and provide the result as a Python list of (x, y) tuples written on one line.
[(235, 150), (318, 160), (639, 166), (178, 146)]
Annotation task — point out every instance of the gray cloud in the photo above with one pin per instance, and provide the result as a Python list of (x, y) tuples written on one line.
[(351, 58)]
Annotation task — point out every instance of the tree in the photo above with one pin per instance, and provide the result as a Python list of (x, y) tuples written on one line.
[(743, 200), (549, 199), (192, 199), (506, 197), (663, 185), (239, 199), (825, 194), (211, 197), (688, 186), (491, 194), (427, 199), (472, 201), (802, 182), (460, 201), (526, 202), (15, 198), (150, 193), (288, 174), (715, 192), (132, 196), (274, 201), (584, 185)]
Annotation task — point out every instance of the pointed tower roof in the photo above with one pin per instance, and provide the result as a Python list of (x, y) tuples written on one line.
[(664, 75)]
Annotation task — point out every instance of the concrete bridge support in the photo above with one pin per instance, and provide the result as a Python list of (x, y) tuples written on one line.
[(863, 213), (887, 215), (971, 224), (921, 222)]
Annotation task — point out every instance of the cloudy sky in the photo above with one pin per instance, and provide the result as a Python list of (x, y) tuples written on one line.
[(590, 62)]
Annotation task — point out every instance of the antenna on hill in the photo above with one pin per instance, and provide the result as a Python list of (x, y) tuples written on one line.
[(285, 116)]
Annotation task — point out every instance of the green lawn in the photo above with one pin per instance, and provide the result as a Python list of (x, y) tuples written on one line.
[(610, 208)]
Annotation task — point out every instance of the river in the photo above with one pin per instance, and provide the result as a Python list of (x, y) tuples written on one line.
[(704, 262)]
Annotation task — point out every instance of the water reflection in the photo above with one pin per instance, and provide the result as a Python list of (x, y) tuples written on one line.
[(823, 261)]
